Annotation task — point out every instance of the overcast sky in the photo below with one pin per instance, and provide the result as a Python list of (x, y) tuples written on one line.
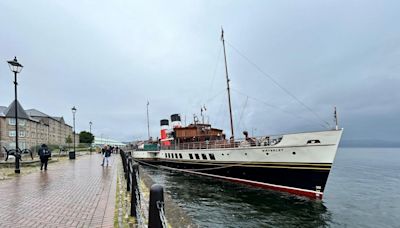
[(108, 58)]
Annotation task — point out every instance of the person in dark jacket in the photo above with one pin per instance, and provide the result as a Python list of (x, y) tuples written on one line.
[(44, 154), (107, 154)]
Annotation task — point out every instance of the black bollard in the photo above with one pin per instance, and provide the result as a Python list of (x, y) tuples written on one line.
[(129, 171), (156, 204), (134, 198)]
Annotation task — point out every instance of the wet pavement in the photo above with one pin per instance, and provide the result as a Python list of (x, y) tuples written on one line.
[(73, 193)]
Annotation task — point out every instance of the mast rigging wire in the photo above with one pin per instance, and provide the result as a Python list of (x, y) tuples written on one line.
[(273, 106), (241, 114), (277, 84)]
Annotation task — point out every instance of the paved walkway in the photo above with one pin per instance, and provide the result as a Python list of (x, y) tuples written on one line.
[(73, 193)]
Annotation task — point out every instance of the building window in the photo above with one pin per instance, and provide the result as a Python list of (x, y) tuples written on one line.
[(11, 121), (197, 156), (204, 156), (212, 157), (22, 122), (11, 133), (190, 156), (22, 134)]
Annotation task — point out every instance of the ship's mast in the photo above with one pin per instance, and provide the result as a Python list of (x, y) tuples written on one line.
[(148, 124), (336, 119), (227, 82)]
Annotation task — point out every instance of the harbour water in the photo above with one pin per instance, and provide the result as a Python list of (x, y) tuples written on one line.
[(362, 191)]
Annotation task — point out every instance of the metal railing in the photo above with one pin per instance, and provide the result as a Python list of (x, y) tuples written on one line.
[(156, 218), (218, 144)]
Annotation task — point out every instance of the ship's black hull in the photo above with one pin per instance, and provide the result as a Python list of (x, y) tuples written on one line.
[(301, 179)]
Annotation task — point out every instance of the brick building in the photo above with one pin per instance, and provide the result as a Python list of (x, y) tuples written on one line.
[(34, 127)]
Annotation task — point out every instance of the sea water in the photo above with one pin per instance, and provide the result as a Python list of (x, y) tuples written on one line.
[(363, 190)]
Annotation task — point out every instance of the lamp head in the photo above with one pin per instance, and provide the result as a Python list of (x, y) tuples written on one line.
[(73, 110), (14, 65)]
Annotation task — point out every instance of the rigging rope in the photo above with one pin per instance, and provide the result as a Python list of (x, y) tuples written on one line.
[(277, 84), (215, 69), (273, 106), (241, 114)]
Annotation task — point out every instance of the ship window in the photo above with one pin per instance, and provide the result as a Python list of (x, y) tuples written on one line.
[(197, 156), (314, 141), (165, 155), (176, 155), (190, 156), (204, 156), (212, 157), (180, 155)]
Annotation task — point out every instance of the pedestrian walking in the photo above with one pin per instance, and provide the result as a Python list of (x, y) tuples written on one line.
[(107, 155), (103, 151), (44, 154)]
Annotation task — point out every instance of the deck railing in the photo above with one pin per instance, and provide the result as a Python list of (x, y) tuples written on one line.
[(218, 144)]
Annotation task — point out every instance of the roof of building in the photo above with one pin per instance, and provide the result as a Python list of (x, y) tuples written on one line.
[(36, 113), (10, 111), (2, 109), (104, 141), (31, 114)]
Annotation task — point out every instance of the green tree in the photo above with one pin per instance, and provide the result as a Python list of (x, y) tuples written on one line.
[(86, 137), (68, 139)]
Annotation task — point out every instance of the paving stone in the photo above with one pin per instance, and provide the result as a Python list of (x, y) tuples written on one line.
[(75, 193)]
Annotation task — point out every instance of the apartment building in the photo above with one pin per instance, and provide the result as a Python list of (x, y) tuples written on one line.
[(34, 127)]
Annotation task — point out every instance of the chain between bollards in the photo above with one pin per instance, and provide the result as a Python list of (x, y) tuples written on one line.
[(156, 207), (134, 189)]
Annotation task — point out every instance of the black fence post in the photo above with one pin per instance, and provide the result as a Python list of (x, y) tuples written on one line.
[(134, 197), (156, 206), (130, 174), (123, 157)]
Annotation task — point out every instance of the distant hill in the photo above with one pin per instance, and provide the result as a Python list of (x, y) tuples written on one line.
[(368, 143)]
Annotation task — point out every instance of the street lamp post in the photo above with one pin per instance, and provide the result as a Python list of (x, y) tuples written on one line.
[(90, 130), (72, 153), (16, 67)]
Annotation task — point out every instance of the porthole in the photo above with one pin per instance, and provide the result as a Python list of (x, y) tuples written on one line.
[(245, 153), (266, 153), (293, 153)]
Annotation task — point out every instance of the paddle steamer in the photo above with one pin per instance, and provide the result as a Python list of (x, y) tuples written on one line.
[(297, 163)]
